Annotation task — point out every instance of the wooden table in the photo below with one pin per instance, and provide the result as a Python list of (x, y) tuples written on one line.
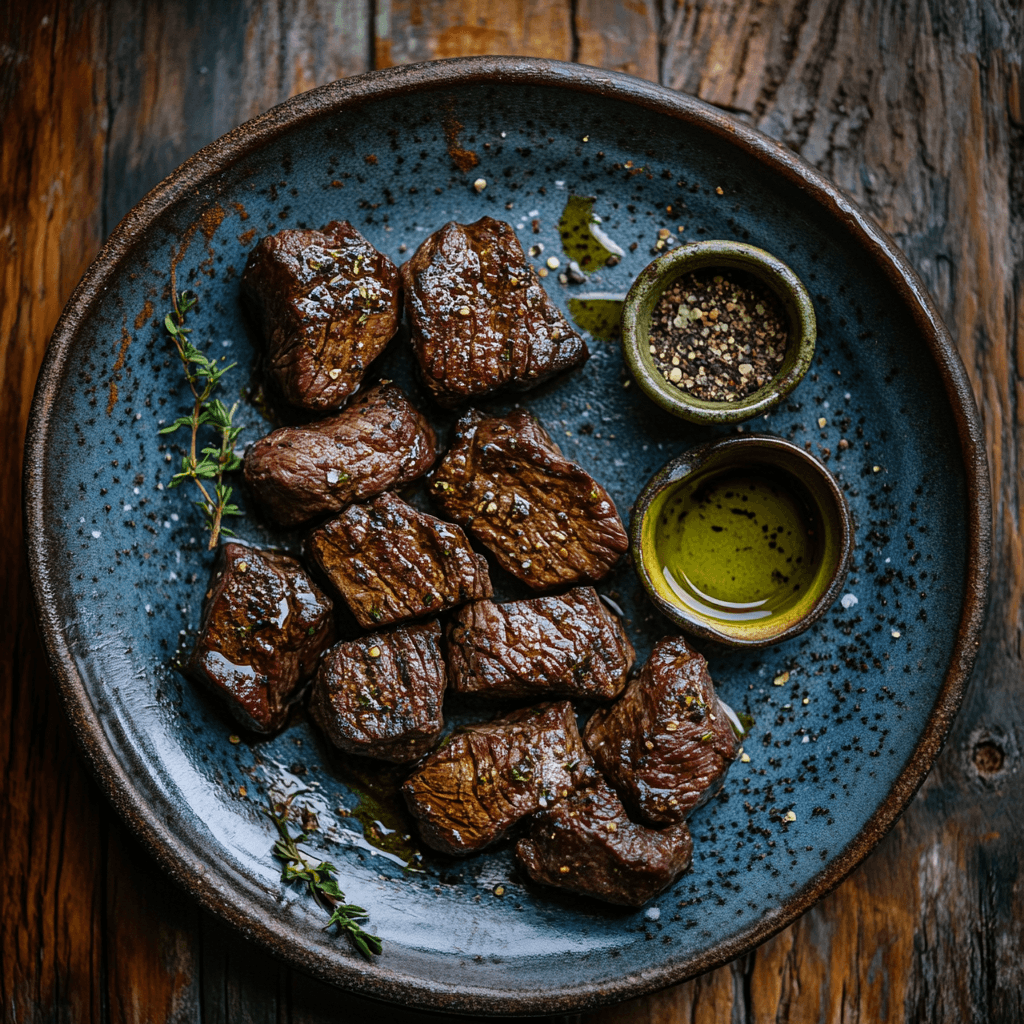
[(914, 107)]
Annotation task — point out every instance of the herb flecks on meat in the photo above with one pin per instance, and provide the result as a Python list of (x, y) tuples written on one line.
[(390, 562), (567, 646), (547, 521), (264, 626), (485, 778), (379, 441), (326, 303), (480, 319), (666, 744), (381, 695), (587, 844)]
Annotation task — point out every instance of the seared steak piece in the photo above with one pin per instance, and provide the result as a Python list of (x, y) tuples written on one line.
[(263, 628), (480, 319), (390, 562), (568, 646), (327, 303), (587, 844), (381, 695), (484, 779), (546, 520), (377, 442), (666, 744)]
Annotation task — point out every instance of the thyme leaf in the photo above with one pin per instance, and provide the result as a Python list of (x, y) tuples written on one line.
[(210, 463), (320, 882)]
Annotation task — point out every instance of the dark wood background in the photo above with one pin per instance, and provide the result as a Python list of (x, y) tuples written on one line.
[(914, 106)]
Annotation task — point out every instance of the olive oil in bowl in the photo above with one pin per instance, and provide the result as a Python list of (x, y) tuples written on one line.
[(740, 545), (745, 541)]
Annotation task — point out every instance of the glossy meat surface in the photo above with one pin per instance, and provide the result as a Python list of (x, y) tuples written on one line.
[(546, 519), (326, 303), (480, 319), (379, 441), (568, 646), (391, 562), (587, 844), (666, 744), (484, 779), (381, 695), (263, 628)]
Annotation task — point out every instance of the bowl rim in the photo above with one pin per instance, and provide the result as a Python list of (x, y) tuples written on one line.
[(694, 460), (213, 888), (774, 273)]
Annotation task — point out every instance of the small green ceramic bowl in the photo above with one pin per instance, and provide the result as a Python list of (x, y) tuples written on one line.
[(711, 540), (660, 274)]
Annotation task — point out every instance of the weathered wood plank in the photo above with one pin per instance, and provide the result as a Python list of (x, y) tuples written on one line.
[(51, 836), (413, 30), (621, 35)]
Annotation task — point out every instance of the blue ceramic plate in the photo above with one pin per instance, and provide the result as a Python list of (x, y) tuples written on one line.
[(849, 716)]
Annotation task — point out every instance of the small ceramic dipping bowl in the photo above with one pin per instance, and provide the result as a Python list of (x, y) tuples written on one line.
[(745, 540), (659, 275)]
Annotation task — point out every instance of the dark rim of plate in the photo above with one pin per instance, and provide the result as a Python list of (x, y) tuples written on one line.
[(213, 889)]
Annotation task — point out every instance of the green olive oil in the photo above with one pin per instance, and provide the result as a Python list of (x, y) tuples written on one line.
[(738, 546)]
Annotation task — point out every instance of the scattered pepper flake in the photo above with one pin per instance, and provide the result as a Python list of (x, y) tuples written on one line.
[(480, 184), (554, 262), (234, 739), (745, 758), (720, 190), (781, 679), (790, 816), (876, 469), (374, 651), (822, 421)]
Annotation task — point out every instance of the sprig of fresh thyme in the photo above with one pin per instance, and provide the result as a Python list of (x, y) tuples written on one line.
[(212, 462), (319, 879)]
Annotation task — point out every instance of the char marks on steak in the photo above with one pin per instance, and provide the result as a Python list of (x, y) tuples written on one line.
[(480, 319), (263, 627), (666, 744), (568, 646), (546, 519), (391, 562), (468, 793), (379, 441), (381, 695), (326, 303), (587, 844)]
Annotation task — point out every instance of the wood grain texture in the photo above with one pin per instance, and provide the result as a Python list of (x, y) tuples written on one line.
[(914, 107)]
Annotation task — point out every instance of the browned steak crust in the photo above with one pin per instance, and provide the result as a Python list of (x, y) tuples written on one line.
[(264, 625), (480, 319), (377, 442), (588, 845), (381, 695), (547, 520), (484, 779), (390, 562), (568, 646), (326, 303), (666, 744)]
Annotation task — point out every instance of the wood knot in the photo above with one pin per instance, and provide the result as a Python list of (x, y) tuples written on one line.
[(988, 757)]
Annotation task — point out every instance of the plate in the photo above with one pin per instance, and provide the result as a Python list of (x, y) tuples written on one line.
[(119, 561)]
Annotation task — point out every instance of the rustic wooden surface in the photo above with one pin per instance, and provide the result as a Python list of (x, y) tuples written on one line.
[(914, 106)]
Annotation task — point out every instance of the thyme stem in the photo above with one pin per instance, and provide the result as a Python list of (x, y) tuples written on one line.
[(210, 464), (320, 882)]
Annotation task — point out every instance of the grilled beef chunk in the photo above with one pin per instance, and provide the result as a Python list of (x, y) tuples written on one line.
[(546, 520), (568, 646), (390, 562), (381, 695), (264, 625), (666, 744), (378, 442), (327, 303), (587, 844), (484, 779), (480, 319)]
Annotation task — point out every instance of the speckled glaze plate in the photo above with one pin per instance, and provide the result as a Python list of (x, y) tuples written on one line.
[(120, 565)]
